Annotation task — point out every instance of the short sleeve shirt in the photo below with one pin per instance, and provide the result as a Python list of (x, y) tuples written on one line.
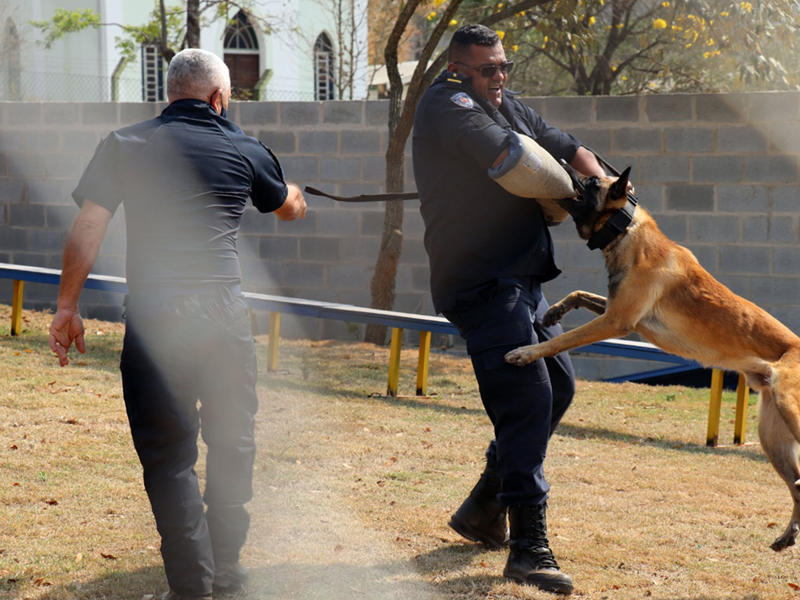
[(476, 231), (184, 179)]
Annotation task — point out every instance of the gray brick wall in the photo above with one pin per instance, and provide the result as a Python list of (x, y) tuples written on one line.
[(720, 172)]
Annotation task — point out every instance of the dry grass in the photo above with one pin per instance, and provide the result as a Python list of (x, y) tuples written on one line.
[(353, 492)]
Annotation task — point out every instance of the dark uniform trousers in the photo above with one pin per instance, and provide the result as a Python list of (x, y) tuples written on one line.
[(179, 350), (525, 404)]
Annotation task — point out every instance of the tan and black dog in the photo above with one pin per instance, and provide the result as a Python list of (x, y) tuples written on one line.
[(658, 289)]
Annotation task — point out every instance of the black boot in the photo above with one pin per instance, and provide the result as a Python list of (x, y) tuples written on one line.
[(480, 518), (531, 560)]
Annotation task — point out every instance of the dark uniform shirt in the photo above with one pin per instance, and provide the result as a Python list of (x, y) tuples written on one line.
[(184, 179), (476, 231)]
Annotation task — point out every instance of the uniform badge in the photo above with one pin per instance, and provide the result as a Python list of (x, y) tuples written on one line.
[(462, 99)]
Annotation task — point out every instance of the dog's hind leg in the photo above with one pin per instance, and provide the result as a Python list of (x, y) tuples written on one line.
[(781, 448), (575, 300)]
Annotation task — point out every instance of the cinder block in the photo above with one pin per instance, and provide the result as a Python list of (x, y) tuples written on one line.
[(343, 111), (361, 250), (774, 106), (665, 168), (372, 222), (62, 165), (741, 139), (788, 315), (565, 111), (280, 142), (721, 108), (256, 114), (339, 169), (338, 222), (11, 190), (45, 191), (23, 113), (712, 169), (689, 140), (300, 168), (13, 238), (784, 260), (742, 198), (318, 142), (102, 113), (356, 189), (31, 259), (136, 112), (714, 228), (580, 257), (254, 222), (45, 240), (304, 275), (651, 196), (785, 138), (13, 143), (322, 249), (360, 142), (598, 140), (774, 289), (27, 165), (61, 113), (307, 226), (617, 108), (743, 259), (535, 103), (414, 253), (278, 247), (421, 279), (376, 112), (738, 284), (375, 168), (669, 107), (299, 113), (82, 142), (264, 273), (784, 198), (413, 226), (347, 277), (778, 230), (634, 139), (772, 169), (675, 227), (26, 215), (690, 198), (706, 255)]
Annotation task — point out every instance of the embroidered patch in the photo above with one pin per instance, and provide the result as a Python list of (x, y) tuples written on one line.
[(462, 99)]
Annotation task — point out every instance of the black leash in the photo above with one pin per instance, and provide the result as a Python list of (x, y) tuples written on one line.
[(364, 197)]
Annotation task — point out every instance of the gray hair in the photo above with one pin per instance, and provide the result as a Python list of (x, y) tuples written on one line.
[(195, 73)]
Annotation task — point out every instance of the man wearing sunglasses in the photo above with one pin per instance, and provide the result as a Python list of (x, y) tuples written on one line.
[(490, 252)]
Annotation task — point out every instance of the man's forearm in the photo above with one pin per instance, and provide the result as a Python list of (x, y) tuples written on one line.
[(80, 253)]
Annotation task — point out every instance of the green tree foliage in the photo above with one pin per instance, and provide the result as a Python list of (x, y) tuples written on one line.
[(600, 47)]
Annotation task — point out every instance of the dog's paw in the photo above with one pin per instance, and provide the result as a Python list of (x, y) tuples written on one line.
[(519, 357), (554, 315)]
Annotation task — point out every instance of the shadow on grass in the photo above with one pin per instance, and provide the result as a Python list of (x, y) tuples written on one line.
[(599, 433)]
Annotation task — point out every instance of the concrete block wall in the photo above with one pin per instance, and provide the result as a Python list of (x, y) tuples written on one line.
[(719, 172)]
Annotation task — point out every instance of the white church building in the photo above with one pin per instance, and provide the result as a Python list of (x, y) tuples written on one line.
[(289, 50)]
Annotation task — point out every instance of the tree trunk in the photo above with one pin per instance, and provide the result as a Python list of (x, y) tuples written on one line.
[(193, 23)]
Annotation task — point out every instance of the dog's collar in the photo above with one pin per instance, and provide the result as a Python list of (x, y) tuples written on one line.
[(614, 226)]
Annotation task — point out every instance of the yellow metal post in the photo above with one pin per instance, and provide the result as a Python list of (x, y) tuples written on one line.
[(16, 308), (714, 408), (394, 362), (274, 338), (424, 361), (742, 396)]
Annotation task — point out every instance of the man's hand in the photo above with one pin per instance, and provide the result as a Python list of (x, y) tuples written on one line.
[(294, 207), (67, 326)]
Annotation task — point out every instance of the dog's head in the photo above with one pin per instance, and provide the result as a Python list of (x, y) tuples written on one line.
[(596, 199)]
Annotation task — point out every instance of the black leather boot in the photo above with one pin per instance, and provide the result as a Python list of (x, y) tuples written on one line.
[(531, 561), (480, 518)]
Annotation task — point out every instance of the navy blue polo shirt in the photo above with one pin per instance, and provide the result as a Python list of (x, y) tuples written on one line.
[(184, 179), (476, 231)]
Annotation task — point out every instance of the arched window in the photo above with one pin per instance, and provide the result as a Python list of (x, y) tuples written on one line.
[(11, 72), (323, 68), (242, 56)]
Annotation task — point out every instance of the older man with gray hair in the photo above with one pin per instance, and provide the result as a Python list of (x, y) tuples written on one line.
[(188, 357)]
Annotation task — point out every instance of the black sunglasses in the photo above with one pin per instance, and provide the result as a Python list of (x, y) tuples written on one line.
[(489, 70)]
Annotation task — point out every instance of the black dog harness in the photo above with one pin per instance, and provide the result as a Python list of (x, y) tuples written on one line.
[(614, 226)]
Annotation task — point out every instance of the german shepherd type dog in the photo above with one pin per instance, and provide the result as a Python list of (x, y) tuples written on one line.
[(659, 290)]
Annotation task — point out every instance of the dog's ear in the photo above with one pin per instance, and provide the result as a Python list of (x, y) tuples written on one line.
[(619, 188), (577, 181)]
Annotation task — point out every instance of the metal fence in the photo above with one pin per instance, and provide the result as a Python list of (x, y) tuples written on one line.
[(32, 86)]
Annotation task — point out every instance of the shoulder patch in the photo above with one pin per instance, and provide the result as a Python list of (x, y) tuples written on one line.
[(462, 99)]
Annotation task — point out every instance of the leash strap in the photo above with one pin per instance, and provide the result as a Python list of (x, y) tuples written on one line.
[(363, 197)]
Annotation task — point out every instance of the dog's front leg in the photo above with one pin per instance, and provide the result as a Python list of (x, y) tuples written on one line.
[(602, 328), (575, 300)]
